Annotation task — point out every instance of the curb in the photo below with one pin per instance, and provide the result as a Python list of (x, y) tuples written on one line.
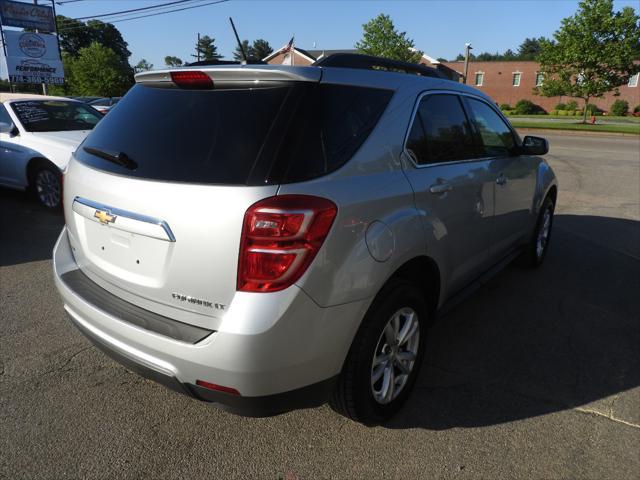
[(582, 133)]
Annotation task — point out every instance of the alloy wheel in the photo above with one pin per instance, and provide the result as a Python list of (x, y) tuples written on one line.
[(543, 233), (395, 355), (48, 188)]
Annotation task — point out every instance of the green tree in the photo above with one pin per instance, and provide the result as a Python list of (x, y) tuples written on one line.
[(380, 38), (171, 61), (206, 49), (248, 50), (261, 49), (592, 54), (76, 35), (98, 71), (509, 55), (530, 48), (143, 66)]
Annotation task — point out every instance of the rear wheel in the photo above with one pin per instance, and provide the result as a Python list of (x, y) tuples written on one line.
[(385, 357), (46, 185)]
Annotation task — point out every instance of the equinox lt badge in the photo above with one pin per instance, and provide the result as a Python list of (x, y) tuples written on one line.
[(198, 301)]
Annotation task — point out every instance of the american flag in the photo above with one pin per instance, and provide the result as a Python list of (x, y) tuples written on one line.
[(288, 47)]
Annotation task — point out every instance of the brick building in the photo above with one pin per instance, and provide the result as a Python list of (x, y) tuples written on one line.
[(505, 82), (508, 82)]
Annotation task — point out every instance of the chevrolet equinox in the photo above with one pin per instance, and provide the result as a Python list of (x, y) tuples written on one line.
[(273, 237)]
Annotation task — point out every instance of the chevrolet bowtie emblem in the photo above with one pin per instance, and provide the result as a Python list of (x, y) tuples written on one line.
[(104, 217)]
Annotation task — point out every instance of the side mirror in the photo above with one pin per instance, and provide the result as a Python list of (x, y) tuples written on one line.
[(9, 128), (534, 145)]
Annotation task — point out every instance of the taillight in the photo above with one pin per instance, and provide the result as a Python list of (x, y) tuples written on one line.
[(280, 238), (192, 79)]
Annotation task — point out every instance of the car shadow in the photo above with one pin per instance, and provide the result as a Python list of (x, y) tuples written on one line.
[(532, 342), (27, 230)]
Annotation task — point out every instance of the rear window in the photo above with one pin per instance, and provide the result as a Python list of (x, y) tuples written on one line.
[(280, 134), (55, 115)]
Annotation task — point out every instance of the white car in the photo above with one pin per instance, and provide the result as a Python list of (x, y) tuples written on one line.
[(38, 134)]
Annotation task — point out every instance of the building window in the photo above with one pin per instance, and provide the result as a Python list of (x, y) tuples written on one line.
[(516, 79), (539, 79), (633, 81), (479, 79)]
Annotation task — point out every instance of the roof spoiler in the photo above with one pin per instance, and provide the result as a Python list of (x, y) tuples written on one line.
[(231, 76), (369, 62)]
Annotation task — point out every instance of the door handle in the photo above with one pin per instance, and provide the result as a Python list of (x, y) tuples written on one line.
[(440, 188), (501, 180)]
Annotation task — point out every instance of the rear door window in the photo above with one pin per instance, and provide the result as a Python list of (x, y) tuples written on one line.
[(440, 131), (286, 133)]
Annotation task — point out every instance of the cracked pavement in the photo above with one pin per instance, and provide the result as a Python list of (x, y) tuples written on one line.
[(537, 375)]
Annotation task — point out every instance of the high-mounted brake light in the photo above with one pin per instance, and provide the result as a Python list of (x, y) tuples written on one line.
[(192, 79), (280, 238)]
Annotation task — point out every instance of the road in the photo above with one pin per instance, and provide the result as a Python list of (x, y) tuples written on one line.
[(536, 376)]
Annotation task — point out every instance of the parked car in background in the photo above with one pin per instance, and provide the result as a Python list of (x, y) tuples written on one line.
[(86, 99), (37, 136), (287, 235), (103, 105)]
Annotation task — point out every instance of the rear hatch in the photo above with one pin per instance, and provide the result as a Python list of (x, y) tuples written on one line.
[(156, 195)]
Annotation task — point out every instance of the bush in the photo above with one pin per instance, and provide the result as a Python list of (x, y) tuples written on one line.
[(572, 105), (505, 106), (527, 107), (593, 108), (561, 106), (619, 108), (563, 113), (554, 112), (637, 109)]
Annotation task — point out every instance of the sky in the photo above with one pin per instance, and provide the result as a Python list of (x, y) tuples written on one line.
[(440, 28)]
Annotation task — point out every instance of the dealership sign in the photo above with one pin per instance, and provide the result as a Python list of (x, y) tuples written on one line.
[(27, 15), (33, 58)]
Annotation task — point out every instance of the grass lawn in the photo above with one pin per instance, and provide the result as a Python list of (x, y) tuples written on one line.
[(630, 128)]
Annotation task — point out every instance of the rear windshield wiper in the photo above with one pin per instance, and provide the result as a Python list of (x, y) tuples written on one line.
[(120, 158)]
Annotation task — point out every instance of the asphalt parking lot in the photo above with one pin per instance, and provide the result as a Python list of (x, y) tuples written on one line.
[(536, 376)]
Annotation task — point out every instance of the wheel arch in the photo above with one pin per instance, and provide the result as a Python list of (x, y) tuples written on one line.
[(425, 273), (34, 163)]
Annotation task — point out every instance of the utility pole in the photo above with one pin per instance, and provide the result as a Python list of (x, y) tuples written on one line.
[(467, 50), (44, 85)]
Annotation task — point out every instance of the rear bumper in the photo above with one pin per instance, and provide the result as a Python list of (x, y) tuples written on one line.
[(292, 364), (310, 396)]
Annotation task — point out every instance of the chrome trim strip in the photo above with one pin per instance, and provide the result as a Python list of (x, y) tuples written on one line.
[(404, 150), (126, 214)]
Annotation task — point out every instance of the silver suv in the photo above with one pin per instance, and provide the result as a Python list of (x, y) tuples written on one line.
[(270, 237)]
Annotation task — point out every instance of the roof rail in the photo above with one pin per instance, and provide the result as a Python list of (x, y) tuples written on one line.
[(369, 62), (213, 61)]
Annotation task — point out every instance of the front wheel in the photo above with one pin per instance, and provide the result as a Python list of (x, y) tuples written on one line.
[(385, 357), (536, 250), (47, 186)]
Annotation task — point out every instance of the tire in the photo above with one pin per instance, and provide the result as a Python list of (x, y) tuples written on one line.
[(357, 395), (536, 250), (45, 184)]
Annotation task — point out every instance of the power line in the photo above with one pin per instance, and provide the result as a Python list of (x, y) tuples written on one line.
[(150, 7), (62, 30)]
